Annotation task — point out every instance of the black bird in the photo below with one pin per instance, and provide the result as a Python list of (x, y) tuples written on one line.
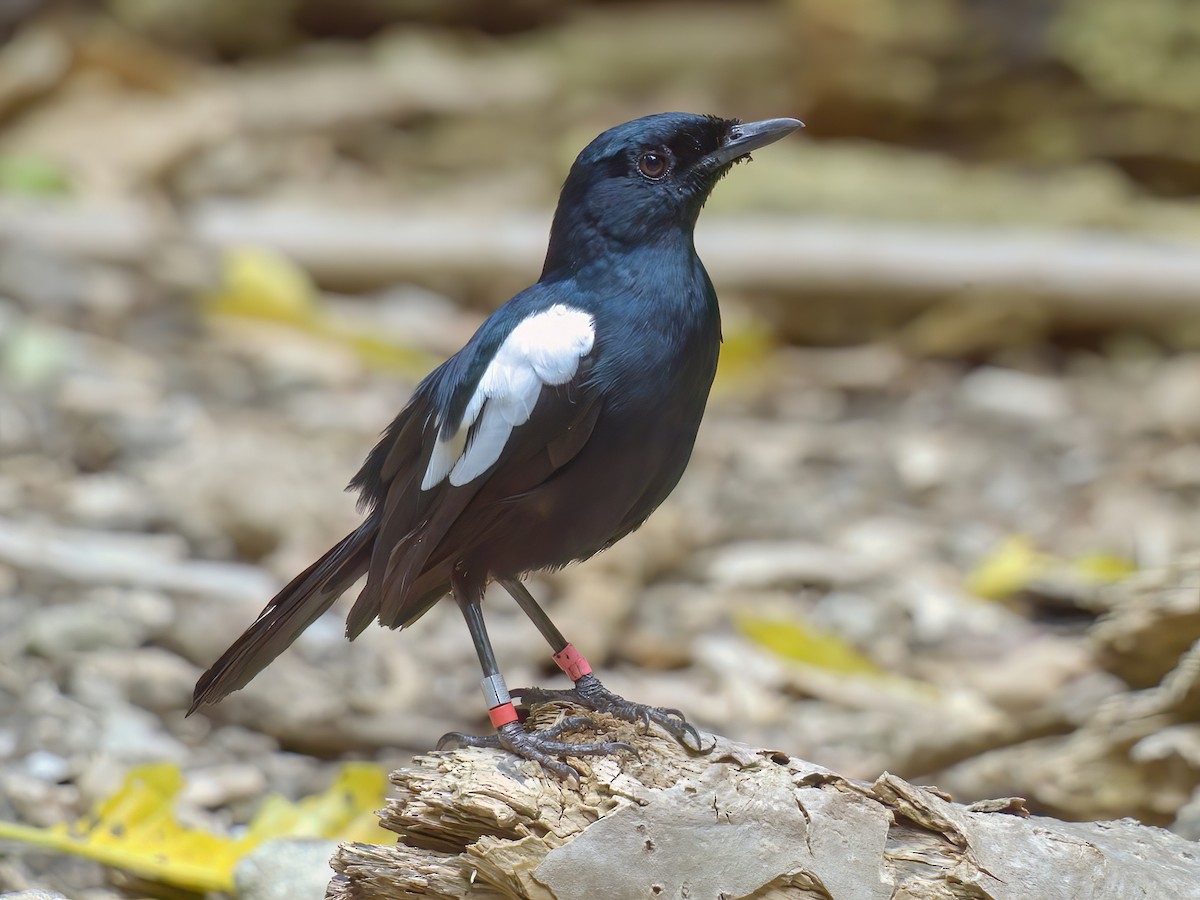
[(563, 423)]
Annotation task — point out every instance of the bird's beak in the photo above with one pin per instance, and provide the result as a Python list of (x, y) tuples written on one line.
[(743, 139)]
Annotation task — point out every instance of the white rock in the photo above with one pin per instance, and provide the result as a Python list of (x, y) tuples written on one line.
[(924, 460), (1016, 395), (760, 564), (222, 785), (46, 766), (109, 501)]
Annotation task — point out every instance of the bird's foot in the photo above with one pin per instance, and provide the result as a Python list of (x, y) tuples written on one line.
[(543, 747), (591, 694)]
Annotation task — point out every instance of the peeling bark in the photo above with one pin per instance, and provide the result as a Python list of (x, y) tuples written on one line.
[(740, 822)]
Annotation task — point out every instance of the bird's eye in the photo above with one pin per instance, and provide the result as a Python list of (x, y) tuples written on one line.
[(653, 165)]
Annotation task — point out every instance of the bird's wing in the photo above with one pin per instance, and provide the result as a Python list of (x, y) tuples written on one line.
[(542, 350), (468, 426)]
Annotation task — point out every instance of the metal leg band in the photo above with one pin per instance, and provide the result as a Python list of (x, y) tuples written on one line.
[(495, 691)]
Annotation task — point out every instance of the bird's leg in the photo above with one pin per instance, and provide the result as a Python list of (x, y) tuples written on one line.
[(540, 746), (588, 691)]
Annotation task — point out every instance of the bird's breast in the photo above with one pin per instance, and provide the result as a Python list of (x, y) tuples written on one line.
[(657, 358), (652, 374)]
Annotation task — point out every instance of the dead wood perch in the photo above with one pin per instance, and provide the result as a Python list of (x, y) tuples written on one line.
[(741, 822)]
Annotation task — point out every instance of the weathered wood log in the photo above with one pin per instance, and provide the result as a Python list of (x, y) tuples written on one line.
[(742, 822), (1076, 277), (1079, 276)]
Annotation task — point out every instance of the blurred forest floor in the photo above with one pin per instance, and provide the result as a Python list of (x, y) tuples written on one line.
[(948, 533)]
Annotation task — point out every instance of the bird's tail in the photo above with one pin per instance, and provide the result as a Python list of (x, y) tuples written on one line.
[(291, 611)]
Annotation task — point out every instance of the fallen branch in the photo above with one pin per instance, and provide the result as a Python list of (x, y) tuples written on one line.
[(1082, 275), (740, 822), (1077, 277)]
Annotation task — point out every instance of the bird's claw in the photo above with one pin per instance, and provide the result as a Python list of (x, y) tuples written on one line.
[(591, 694), (541, 747)]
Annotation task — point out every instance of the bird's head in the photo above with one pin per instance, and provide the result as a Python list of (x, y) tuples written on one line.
[(647, 180)]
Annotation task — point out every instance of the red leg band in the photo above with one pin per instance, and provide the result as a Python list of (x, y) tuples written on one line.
[(502, 714), (572, 662)]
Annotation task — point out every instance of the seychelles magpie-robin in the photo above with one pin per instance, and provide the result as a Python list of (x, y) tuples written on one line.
[(563, 423)]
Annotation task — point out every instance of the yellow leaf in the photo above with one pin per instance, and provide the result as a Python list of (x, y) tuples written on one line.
[(1103, 568), (260, 284), (358, 788), (136, 830), (380, 354), (793, 640), (1016, 564), (1008, 569), (744, 352)]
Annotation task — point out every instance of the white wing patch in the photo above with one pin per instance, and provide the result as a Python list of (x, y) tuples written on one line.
[(544, 349)]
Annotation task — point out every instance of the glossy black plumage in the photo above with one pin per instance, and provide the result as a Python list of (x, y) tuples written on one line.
[(595, 454)]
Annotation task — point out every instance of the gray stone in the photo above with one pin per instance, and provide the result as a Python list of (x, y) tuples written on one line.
[(54, 631), (105, 618), (1171, 396), (134, 736), (286, 869), (1187, 820), (150, 677)]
